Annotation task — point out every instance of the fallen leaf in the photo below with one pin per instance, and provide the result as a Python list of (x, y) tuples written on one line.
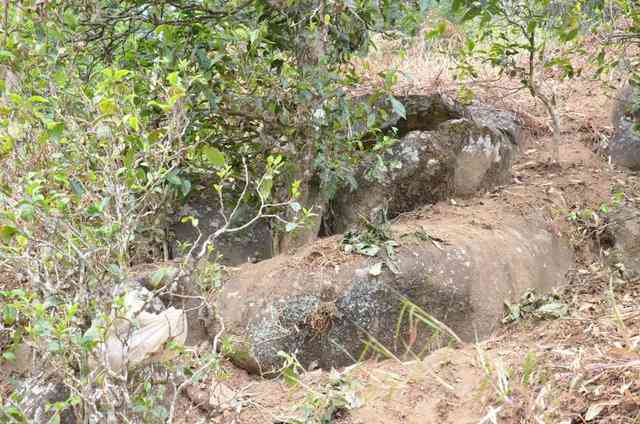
[(594, 411)]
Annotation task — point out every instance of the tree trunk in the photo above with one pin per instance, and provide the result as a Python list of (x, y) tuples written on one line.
[(552, 111), (310, 197), (555, 121), (308, 56)]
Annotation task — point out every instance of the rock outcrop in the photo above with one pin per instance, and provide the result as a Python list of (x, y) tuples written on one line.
[(324, 306), (250, 245), (624, 227), (624, 147), (445, 150)]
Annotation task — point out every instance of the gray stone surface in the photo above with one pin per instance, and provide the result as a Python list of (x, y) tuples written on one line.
[(39, 396), (624, 148), (250, 245), (502, 120), (324, 311), (624, 227), (451, 156)]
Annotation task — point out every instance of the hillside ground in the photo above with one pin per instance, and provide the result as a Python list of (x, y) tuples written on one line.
[(584, 367)]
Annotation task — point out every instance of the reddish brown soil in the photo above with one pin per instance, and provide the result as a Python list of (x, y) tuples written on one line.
[(564, 371)]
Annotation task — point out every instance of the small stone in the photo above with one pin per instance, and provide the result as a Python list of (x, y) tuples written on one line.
[(221, 397)]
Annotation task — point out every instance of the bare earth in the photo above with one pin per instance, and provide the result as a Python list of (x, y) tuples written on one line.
[(582, 368)]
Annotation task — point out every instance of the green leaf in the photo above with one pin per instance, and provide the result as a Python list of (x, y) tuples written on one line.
[(569, 36), (96, 209), (71, 19), (55, 129), (161, 276), (108, 106), (440, 29), (214, 156), (398, 108), (7, 232), (133, 123), (120, 74), (266, 186), (9, 314), (6, 56), (173, 78), (9, 356), (471, 14), (185, 187), (456, 6), (27, 211), (174, 179), (38, 99)]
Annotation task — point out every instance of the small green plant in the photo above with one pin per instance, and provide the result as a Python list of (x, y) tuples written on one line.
[(496, 374), (370, 240), (291, 369), (324, 405), (416, 320), (589, 216), (529, 366), (148, 404)]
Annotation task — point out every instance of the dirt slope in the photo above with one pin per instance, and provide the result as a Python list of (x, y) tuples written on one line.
[(582, 368)]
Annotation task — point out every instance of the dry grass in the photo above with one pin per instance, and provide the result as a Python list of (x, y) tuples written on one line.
[(585, 368), (430, 66)]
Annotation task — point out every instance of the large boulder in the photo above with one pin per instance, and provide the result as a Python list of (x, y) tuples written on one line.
[(624, 228), (502, 120), (624, 147), (324, 305), (625, 106), (445, 150), (250, 245)]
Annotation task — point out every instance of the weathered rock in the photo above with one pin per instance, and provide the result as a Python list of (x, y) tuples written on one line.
[(624, 148), (250, 245), (424, 113), (502, 120), (624, 227), (625, 106), (427, 112), (447, 151), (37, 399), (323, 305)]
